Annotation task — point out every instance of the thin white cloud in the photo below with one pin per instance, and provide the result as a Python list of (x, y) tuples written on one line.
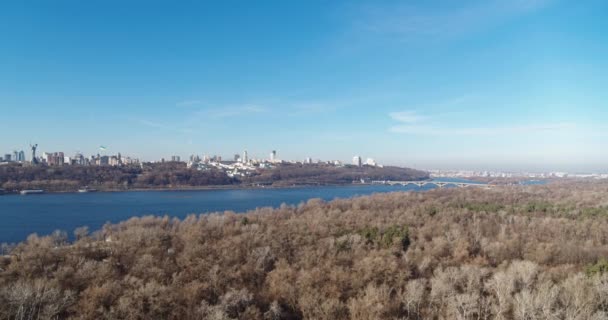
[(406, 116), (238, 111), (189, 103), (410, 122), (311, 108), (231, 111), (437, 130), (407, 21)]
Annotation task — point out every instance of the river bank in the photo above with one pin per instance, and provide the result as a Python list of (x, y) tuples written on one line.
[(192, 188)]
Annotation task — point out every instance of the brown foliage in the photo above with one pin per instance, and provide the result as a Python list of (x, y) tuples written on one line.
[(507, 253)]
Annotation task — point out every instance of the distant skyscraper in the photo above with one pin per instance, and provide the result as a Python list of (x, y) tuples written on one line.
[(79, 159), (245, 158), (114, 161), (21, 156), (273, 156), (175, 158), (7, 157), (237, 157), (357, 161), (55, 159), (308, 160)]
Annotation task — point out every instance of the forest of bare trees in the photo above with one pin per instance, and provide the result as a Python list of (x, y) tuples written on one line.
[(71, 178), (175, 175), (505, 253), (315, 174)]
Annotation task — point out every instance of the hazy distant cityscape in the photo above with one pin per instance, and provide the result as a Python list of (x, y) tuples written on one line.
[(510, 174), (238, 165), (243, 165)]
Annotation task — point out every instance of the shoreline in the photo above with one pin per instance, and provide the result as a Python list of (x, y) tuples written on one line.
[(200, 188), (246, 187)]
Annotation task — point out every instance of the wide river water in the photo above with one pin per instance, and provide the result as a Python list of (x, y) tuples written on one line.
[(21, 216)]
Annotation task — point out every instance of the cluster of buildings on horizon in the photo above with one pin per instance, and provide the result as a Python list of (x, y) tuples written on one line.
[(238, 165), (60, 159), (501, 174), (244, 165), (16, 156)]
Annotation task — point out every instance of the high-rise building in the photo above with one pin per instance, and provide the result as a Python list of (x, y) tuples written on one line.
[(79, 159), (7, 157), (237, 157), (21, 156), (114, 161), (273, 156), (245, 158), (308, 160), (175, 158), (104, 161), (370, 162), (357, 161), (55, 158)]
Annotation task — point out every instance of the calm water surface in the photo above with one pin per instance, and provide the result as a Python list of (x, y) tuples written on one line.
[(42, 214)]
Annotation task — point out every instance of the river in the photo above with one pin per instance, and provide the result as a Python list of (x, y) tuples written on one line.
[(21, 216)]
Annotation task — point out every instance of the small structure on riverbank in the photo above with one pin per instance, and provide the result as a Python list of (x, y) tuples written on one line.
[(26, 192)]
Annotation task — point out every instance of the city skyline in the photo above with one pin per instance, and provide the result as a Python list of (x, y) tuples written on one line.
[(106, 157), (504, 85)]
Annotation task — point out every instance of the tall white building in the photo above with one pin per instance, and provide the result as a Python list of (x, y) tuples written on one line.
[(308, 160), (273, 156), (245, 158), (357, 161)]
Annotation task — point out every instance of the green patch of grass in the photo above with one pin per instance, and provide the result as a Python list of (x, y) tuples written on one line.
[(387, 237), (595, 211), (478, 206), (599, 267), (539, 206)]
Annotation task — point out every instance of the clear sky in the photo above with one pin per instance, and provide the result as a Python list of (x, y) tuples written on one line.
[(492, 84)]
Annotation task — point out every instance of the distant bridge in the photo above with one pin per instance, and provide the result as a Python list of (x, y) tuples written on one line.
[(439, 184)]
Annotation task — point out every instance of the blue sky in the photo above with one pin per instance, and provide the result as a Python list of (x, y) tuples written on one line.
[(494, 84)]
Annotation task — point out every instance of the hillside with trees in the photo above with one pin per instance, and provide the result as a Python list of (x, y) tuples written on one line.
[(175, 175), (71, 178), (311, 174), (505, 253)]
